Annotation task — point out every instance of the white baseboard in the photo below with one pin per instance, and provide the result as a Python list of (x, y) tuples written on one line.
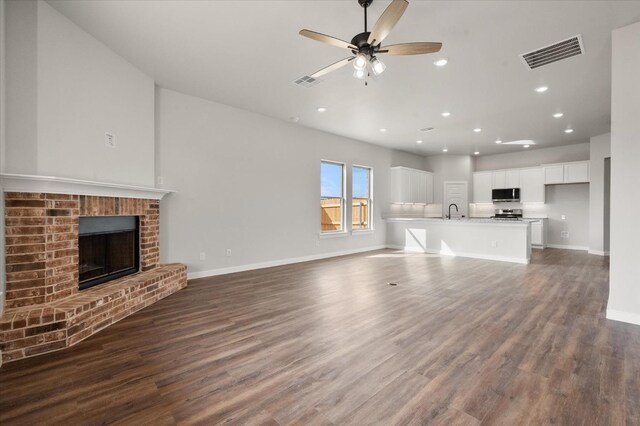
[(279, 262), (599, 253), (622, 316), (568, 247), (469, 255)]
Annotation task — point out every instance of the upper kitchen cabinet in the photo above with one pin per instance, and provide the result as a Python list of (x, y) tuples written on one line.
[(574, 172), (554, 174), (429, 177), (499, 179), (411, 186), (532, 185), (502, 179), (513, 178), (482, 185)]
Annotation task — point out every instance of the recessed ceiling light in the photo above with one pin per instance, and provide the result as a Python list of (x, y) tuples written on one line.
[(558, 115), (418, 142), (498, 141), (444, 150), (321, 109), (568, 131), (441, 62), (476, 153), (383, 130), (525, 146), (542, 89), (446, 114), (477, 130)]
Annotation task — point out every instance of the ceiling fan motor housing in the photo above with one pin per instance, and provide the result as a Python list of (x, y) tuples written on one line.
[(361, 42)]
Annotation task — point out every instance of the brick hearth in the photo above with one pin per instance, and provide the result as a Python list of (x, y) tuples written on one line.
[(45, 310)]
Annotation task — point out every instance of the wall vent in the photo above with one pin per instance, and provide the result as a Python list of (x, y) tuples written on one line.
[(306, 81), (553, 53)]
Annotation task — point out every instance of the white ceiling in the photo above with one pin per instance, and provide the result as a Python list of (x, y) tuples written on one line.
[(247, 53)]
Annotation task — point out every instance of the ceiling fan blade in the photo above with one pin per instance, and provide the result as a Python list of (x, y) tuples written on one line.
[(387, 21), (327, 39), (332, 67), (419, 48)]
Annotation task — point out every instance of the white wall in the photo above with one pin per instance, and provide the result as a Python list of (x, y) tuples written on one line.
[(21, 137), (624, 294), (572, 201), (449, 168), (251, 183), (600, 149), (534, 157), (65, 90)]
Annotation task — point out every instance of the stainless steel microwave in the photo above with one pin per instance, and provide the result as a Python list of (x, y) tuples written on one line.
[(508, 195)]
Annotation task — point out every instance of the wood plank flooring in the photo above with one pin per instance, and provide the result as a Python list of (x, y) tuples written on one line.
[(456, 342)]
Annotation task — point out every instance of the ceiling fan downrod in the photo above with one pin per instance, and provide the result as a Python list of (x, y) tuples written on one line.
[(365, 4)]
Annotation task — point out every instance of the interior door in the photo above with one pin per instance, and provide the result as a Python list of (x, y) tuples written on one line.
[(455, 193)]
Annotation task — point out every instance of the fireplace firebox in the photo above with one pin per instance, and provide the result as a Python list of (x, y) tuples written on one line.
[(109, 248)]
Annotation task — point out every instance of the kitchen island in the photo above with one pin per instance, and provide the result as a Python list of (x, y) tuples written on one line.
[(508, 241)]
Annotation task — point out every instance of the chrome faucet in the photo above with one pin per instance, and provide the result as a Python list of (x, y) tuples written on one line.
[(454, 205)]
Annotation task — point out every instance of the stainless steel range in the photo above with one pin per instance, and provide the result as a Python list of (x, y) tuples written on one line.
[(508, 214)]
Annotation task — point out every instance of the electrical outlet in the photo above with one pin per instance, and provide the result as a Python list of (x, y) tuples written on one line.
[(228, 252), (564, 234), (563, 217), (160, 180), (494, 244), (203, 256), (109, 140)]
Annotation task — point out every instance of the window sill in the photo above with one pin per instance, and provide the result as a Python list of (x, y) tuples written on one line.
[(362, 231), (338, 234)]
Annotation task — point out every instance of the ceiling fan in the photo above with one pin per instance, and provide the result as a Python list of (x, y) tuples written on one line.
[(367, 45)]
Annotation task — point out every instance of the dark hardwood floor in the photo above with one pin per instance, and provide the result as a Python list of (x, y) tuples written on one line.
[(456, 342)]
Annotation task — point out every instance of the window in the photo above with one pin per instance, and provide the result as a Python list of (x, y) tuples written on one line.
[(331, 196), (361, 198)]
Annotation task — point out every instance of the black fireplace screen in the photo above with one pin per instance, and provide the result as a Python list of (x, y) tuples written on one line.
[(109, 248)]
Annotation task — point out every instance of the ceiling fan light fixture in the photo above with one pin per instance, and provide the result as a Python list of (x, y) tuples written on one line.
[(360, 62), (359, 74), (377, 66)]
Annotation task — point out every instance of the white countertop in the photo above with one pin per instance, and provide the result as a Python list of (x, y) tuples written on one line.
[(472, 221)]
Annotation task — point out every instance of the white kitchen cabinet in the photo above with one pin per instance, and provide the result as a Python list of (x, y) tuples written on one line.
[(554, 174), (482, 185), (429, 177), (400, 185), (418, 186), (512, 178), (574, 172), (539, 234), (499, 179), (532, 182), (411, 186)]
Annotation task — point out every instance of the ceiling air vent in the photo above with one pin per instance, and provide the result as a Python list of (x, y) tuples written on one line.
[(553, 53), (306, 81), (427, 129)]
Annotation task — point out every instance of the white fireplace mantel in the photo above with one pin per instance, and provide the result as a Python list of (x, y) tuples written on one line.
[(57, 185)]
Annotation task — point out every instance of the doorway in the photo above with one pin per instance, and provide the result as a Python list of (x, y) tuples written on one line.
[(455, 192)]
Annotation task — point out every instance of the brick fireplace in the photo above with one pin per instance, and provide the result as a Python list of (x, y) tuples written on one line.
[(45, 309)]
